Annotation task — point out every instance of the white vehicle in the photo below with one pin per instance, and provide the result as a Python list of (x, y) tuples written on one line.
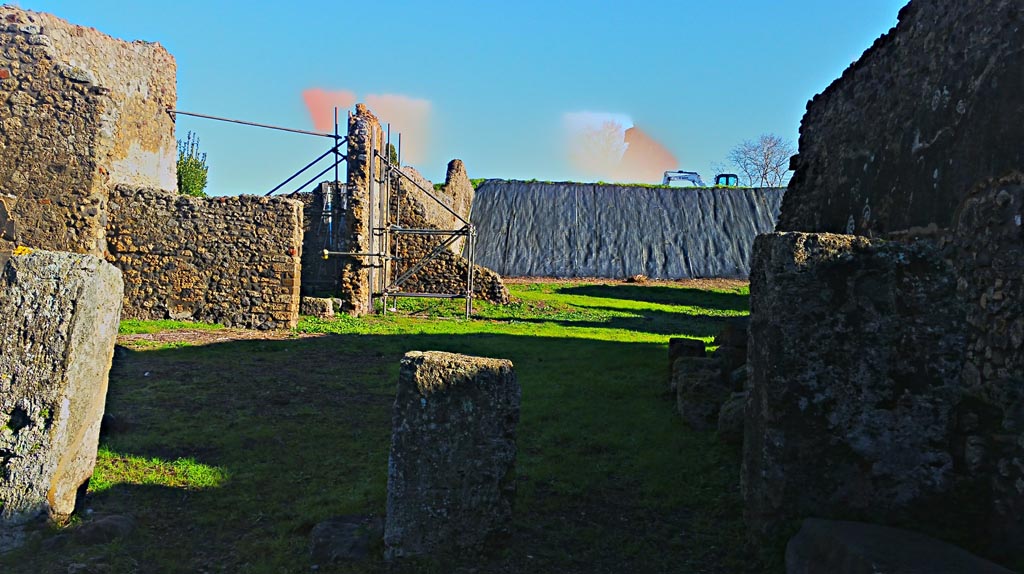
[(721, 180)]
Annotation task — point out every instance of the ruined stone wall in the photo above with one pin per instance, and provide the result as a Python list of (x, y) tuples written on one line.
[(322, 229), (230, 260), (931, 109), (902, 343), (412, 208), (987, 249), (140, 80), (857, 362), (80, 113), (88, 145)]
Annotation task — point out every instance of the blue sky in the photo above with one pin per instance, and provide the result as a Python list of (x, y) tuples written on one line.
[(699, 77)]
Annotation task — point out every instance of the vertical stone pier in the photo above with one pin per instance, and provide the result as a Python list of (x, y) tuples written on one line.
[(364, 137), (451, 474)]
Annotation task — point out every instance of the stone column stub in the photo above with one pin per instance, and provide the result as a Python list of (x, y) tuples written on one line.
[(451, 472)]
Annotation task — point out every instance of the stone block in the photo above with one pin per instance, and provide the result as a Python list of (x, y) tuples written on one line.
[(860, 548), (103, 530), (731, 358), (701, 389), (855, 357), (451, 474), (683, 347), (731, 419), (317, 307), (733, 333), (59, 315)]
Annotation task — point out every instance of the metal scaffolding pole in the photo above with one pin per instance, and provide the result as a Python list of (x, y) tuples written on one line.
[(371, 274)]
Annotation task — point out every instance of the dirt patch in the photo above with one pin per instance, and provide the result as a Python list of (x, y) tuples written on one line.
[(209, 336)]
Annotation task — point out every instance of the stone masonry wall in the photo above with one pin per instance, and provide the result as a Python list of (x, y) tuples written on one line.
[(141, 81), (80, 112), (322, 231), (230, 260), (931, 109), (857, 362), (918, 146), (86, 144), (410, 208), (988, 251), (447, 272)]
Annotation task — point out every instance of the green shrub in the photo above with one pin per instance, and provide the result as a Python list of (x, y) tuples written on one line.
[(192, 168)]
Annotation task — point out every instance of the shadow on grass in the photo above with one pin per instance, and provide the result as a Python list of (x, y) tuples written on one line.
[(302, 429), (664, 295), (649, 321)]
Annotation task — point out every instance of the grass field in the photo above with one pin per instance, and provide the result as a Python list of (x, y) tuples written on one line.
[(232, 445)]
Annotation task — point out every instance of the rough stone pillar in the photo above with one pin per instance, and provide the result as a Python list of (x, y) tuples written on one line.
[(364, 133), (451, 473), (459, 189), (59, 315)]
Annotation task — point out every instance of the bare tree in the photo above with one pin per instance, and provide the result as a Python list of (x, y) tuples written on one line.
[(764, 162)]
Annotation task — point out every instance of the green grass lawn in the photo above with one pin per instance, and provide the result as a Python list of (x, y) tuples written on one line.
[(230, 452)]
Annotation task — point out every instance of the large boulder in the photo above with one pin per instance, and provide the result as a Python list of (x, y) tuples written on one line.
[(451, 475), (59, 316), (859, 548)]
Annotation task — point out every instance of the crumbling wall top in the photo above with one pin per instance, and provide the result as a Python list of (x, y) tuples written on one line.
[(139, 146), (929, 111)]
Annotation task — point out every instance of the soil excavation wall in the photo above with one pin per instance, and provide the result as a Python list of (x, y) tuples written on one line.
[(597, 230)]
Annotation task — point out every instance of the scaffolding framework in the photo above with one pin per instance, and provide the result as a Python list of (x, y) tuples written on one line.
[(386, 231), (384, 222)]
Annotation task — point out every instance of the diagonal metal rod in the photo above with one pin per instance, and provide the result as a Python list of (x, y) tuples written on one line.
[(308, 165), (317, 176), (423, 262), (409, 231), (258, 125), (432, 196)]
